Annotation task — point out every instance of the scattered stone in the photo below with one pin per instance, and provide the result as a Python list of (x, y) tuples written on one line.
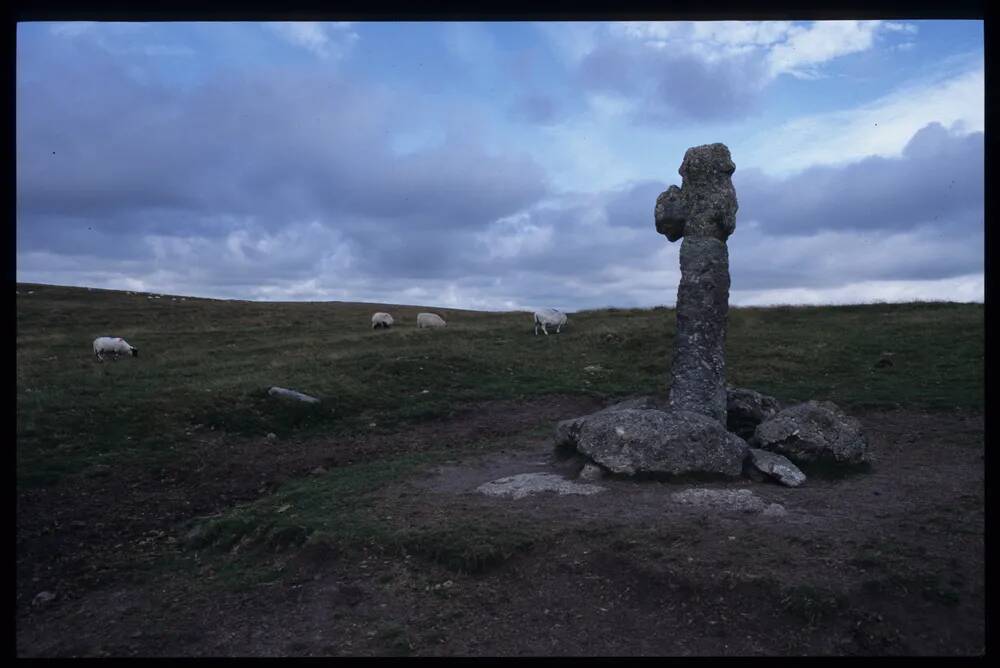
[(43, 598), (632, 441), (291, 394), (774, 510), (591, 472), (884, 361), (593, 368), (814, 432), (523, 484), (745, 409), (319, 470), (777, 466), (703, 211), (731, 500), (98, 471), (271, 436)]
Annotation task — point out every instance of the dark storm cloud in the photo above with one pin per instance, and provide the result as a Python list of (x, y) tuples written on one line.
[(937, 181), (97, 146)]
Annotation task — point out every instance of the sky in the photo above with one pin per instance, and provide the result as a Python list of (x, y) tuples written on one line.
[(498, 165)]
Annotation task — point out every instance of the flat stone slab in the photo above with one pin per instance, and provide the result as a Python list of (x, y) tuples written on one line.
[(777, 466), (521, 485), (727, 500), (634, 440)]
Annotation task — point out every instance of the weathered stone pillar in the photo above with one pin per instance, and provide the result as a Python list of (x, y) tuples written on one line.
[(703, 211)]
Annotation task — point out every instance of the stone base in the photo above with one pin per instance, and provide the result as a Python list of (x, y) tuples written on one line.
[(816, 432), (634, 441)]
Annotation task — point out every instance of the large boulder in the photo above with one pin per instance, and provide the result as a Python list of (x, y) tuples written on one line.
[(814, 432), (647, 441), (745, 409)]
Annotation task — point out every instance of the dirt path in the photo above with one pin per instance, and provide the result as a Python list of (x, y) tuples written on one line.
[(888, 562)]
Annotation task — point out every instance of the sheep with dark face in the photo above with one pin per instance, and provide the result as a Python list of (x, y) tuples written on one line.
[(113, 345), (381, 319), (549, 317)]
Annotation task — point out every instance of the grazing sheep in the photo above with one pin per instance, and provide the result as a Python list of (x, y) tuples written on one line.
[(549, 317), (381, 319), (112, 345), (429, 320)]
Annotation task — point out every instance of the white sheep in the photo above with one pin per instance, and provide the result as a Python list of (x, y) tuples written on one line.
[(429, 320), (113, 345), (381, 319), (549, 317)]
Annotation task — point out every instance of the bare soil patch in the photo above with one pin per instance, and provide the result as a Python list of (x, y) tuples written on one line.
[(884, 562)]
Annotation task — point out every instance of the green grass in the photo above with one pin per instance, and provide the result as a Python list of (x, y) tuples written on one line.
[(210, 362)]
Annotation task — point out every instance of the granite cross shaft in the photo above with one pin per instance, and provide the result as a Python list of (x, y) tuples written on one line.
[(703, 211)]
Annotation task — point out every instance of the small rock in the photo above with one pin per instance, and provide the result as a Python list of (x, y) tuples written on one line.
[(591, 472), (732, 500), (776, 466), (291, 394), (774, 510), (319, 470), (271, 436), (42, 598), (98, 471)]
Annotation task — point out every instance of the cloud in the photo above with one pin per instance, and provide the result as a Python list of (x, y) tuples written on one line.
[(534, 107), (269, 148), (326, 40), (804, 48), (937, 181), (952, 95), (969, 288), (119, 38), (290, 183), (682, 71)]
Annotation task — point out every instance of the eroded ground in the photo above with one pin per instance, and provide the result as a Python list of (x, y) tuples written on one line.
[(886, 562)]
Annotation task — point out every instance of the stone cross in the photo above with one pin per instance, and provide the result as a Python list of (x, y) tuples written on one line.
[(703, 211)]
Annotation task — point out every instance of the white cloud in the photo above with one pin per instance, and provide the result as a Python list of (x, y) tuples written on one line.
[(806, 48), (788, 48), (515, 236), (326, 40), (970, 288), (571, 41), (882, 127)]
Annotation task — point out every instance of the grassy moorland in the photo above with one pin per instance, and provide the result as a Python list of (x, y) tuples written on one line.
[(209, 363), (154, 478)]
